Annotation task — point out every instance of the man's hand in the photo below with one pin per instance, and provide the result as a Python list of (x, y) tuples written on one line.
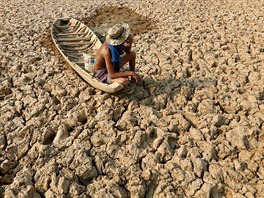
[(135, 78)]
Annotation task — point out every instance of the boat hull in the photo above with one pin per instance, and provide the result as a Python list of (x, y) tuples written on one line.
[(73, 38)]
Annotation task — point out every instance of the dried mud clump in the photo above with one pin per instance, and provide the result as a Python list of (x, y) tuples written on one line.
[(193, 128)]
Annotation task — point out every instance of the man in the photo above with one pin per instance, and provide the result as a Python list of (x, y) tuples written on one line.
[(114, 53)]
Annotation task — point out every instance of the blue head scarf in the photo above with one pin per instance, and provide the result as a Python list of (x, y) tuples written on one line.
[(116, 51)]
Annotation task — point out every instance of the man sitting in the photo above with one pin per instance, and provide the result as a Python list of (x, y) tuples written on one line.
[(113, 54)]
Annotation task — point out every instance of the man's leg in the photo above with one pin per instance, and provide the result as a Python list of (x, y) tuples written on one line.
[(122, 81)]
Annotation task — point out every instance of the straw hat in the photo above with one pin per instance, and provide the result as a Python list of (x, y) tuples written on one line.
[(117, 34)]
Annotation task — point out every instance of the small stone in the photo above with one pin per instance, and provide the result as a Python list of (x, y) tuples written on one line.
[(61, 135), (146, 174), (83, 166), (6, 165), (182, 151), (196, 134), (76, 189), (218, 121), (63, 185), (238, 137)]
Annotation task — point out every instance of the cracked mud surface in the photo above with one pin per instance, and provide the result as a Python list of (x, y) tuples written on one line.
[(193, 129)]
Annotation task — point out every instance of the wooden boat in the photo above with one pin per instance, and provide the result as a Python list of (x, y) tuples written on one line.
[(73, 38)]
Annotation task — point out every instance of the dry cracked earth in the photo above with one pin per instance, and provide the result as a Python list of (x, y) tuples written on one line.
[(194, 128)]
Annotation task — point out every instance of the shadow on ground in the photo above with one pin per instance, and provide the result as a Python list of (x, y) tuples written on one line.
[(157, 93)]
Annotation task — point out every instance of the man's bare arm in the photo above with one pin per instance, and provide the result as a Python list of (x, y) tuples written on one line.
[(110, 68)]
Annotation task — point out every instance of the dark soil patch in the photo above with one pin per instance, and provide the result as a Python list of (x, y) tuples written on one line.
[(108, 16)]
